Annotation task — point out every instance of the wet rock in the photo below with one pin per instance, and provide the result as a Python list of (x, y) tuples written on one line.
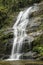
[(28, 55), (5, 57)]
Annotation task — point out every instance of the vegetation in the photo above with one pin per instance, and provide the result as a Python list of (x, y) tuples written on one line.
[(38, 45), (8, 11), (8, 7)]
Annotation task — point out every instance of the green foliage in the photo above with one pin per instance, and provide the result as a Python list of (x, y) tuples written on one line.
[(3, 16), (10, 6), (9, 9), (4, 38), (38, 45)]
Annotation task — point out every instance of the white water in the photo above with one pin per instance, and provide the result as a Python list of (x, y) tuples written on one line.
[(20, 31)]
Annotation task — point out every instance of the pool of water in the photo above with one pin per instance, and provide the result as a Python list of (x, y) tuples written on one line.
[(21, 62)]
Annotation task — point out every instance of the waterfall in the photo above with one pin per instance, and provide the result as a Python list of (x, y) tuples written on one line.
[(20, 31)]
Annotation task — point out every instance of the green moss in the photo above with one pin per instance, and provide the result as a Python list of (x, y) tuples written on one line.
[(4, 38), (3, 9), (38, 45)]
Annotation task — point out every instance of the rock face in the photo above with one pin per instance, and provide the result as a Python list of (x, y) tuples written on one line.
[(6, 40), (29, 55), (35, 31)]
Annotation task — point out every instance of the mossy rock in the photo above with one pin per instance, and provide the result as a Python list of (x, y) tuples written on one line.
[(38, 45)]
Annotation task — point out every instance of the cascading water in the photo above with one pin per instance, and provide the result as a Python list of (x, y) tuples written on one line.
[(20, 31)]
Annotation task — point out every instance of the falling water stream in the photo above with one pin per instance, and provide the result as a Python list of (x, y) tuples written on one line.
[(20, 28)]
